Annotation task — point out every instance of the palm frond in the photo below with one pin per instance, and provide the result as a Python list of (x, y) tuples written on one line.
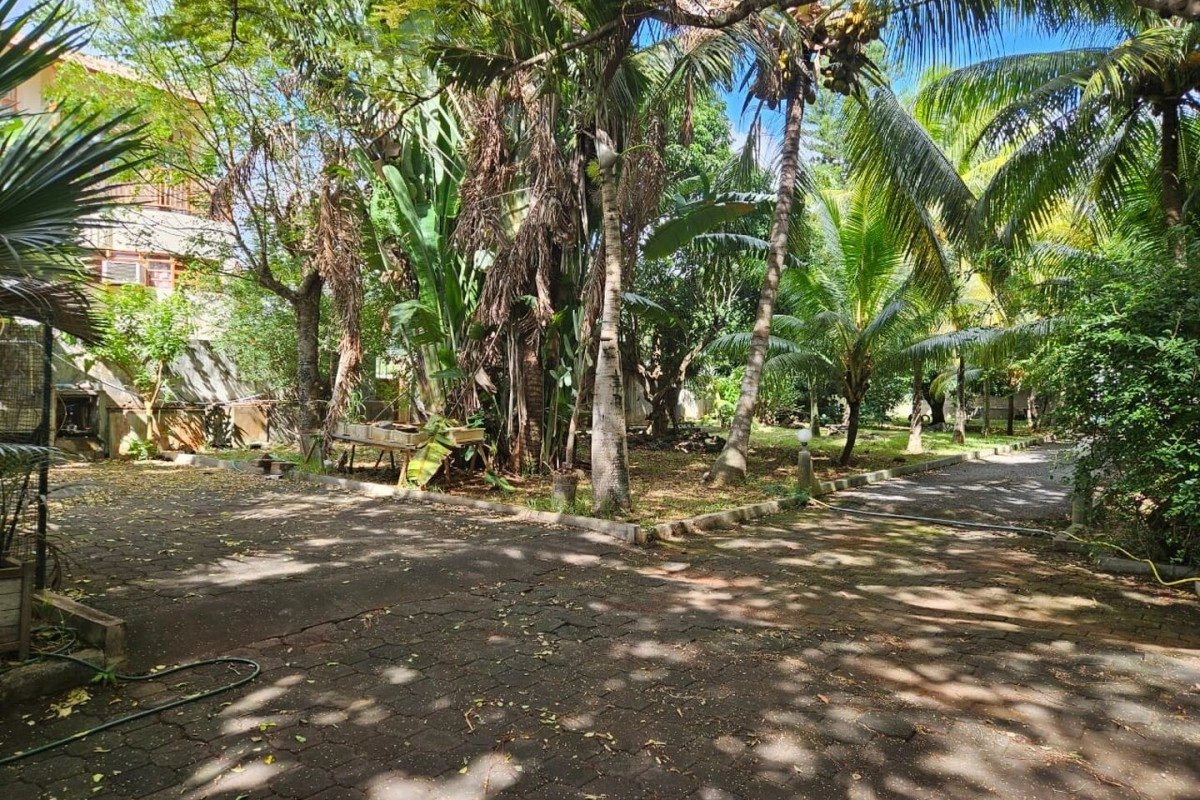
[(888, 148), (643, 306), (737, 345), (25, 49), (53, 176), (1002, 82), (984, 340), (807, 363)]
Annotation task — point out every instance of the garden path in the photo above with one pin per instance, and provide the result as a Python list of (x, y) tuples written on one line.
[(1008, 488), (412, 653)]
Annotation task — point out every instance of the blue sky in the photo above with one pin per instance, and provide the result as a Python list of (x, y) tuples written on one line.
[(1015, 41)]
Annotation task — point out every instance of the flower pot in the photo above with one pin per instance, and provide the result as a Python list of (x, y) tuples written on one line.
[(16, 607)]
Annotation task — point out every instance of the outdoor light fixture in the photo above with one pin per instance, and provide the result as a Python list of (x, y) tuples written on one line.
[(804, 460)]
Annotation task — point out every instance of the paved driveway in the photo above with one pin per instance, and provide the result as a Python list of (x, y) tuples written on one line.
[(411, 652), (1012, 488)]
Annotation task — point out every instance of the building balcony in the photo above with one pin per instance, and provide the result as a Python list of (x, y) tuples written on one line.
[(183, 198)]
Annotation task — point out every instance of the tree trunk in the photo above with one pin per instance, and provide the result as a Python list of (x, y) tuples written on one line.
[(937, 408), (987, 407), (1031, 412), (533, 387), (851, 433), (960, 405), (730, 466), (1012, 413), (307, 305), (915, 445), (610, 457), (1172, 189), (814, 411), (661, 412)]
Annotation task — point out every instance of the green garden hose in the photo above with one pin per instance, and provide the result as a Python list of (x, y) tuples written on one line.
[(255, 669), (957, 523)]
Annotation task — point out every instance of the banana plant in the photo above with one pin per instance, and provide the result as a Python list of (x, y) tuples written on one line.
[(413, 210)]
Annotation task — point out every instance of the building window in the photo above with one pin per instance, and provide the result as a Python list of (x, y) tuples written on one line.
[(145, 269), (160, 273), (8, 101), (121, 270)]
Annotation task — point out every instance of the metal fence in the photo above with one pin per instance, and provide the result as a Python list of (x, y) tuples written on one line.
[(26, 385)]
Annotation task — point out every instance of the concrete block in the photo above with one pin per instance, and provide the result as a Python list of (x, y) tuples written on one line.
[(40, 678), (102, 631)]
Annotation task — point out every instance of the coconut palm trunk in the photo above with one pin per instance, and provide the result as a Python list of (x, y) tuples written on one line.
[(610, 458), (851, 432), (814, 410), (960, 404), (730, 466), (1172, 186), (915, 445), (987, 408)]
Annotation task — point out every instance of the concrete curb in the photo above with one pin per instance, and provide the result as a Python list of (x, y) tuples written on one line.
[(192, 460), (625, 531), (727, 519), (722, 520), (1128, 566), (46, 677)]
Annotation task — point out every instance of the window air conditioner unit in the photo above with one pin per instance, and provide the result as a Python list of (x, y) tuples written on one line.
[(113, 270)]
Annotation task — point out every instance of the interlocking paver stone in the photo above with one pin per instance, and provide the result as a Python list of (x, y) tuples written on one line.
[(408, 653)]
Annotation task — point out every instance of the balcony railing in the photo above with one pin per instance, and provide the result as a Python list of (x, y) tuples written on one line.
[(184, 198)]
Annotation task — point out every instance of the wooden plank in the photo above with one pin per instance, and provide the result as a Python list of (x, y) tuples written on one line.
[(26, 632)]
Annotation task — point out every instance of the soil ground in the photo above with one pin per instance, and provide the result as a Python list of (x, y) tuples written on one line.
[(418, 652), (667, 475)]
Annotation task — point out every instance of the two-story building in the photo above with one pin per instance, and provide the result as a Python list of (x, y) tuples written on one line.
[(150, 239)]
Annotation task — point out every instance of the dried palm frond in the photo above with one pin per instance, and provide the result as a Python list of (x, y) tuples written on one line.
[(64, 305), (339, 261)]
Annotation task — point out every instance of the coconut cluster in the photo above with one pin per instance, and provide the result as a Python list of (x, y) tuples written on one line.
[(843, 40)]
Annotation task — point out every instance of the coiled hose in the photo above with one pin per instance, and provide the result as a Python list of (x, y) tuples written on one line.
[(255, 669)]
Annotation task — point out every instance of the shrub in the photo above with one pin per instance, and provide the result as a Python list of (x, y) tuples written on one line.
[(1127, 369)]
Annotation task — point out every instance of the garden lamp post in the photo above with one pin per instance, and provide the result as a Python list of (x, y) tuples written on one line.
[(804, 460)]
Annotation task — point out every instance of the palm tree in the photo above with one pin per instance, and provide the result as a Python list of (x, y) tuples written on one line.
[(784, 73), (1082, 119), (854, 306)]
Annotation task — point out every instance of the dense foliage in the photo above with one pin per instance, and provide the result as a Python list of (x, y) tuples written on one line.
[(537, 212), (1127, 370)]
